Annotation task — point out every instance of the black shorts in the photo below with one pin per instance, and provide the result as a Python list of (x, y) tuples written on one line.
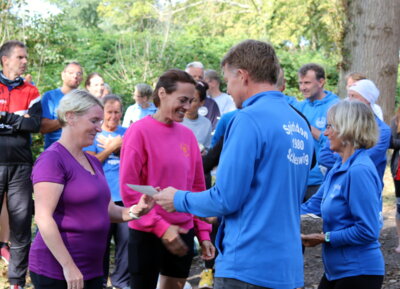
[(360, 281), (148, 257), (43, 282)]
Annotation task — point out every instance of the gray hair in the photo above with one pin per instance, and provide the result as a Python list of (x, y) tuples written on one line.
[(144, 89), (108, 88), (212, 75), (78, 101), (195, 64), (112, 98), (354, 122)]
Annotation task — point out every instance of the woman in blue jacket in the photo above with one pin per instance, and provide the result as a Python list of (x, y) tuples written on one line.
[(350, 203)]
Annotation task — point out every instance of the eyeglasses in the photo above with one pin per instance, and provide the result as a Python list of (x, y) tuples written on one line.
[(74, 73), (329, 126)]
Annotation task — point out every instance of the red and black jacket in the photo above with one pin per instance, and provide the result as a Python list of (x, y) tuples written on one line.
[(20, 110)]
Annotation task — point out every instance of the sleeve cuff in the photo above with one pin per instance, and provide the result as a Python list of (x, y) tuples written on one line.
[(179, 200), (160, 228), (335, 239), (203, 236)]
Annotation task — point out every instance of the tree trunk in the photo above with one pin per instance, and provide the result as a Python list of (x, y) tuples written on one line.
[(371, 46)]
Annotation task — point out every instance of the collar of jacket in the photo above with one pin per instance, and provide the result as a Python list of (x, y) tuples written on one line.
[(10, 83)]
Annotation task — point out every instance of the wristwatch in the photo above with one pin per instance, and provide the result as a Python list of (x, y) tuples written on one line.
[(327, 237), (132, 214)]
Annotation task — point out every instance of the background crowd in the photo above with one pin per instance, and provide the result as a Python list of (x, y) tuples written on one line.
[(331, 152)]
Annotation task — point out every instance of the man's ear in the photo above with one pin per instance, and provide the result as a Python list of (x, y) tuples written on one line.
[(3, 60), (62, 75), (243, 74), (321, 82)]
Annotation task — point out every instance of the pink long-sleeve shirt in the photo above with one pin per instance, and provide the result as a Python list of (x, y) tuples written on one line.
[(161, 155)]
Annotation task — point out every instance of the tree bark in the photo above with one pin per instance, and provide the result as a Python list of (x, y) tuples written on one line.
[(371, 46)]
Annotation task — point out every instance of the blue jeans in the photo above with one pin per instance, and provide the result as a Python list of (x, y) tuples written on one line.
[(228, 283), (120, 233)]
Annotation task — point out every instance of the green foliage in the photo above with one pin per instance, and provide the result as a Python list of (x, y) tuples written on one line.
[(83, 13), (10, 24), (132, 41), (292, 60)]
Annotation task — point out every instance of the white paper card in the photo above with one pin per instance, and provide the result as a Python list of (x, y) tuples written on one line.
[(147, 190)]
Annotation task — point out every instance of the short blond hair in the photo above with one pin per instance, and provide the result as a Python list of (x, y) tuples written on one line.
[(78, 101), (355, 123)]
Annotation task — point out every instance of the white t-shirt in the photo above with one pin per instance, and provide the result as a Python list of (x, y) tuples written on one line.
[(225, 103), (201, 128)]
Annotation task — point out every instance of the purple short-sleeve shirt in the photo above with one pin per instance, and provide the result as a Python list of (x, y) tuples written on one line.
[(81, 213)]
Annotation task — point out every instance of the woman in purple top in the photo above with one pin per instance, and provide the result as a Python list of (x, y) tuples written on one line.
[(72, 202)]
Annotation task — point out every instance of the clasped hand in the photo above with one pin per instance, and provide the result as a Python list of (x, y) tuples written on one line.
[(312, 240)]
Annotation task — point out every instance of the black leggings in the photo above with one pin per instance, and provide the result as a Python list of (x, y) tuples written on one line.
[(397, 192), (148, 257), (353, 282), (397, 188), (43, 282)]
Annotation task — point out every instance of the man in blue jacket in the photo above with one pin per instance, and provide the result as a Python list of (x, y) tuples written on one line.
[(261, 179), (50, 126), (314, 107), (365, 91)]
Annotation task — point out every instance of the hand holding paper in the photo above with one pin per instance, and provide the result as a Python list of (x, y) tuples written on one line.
[(166, 199)]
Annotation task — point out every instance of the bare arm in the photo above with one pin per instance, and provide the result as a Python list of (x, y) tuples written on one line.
[(49, 125), (120, 214), (47, 196)]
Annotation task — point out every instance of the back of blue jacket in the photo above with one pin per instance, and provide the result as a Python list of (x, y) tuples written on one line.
[(261, 181)]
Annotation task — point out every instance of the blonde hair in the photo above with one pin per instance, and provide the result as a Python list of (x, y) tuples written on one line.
[(355, 123), (78, 101)]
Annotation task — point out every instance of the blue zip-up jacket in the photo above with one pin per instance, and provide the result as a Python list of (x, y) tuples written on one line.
[(221, 126), (261, 180), (350, 204), (377, 153), (315, 112)]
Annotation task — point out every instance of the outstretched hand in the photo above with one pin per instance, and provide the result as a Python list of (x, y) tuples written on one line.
[(146, 203), (165, 199)]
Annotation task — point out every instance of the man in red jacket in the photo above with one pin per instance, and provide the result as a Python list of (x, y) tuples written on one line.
[(20, 112)]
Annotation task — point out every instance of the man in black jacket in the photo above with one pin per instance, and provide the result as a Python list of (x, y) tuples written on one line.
[(20, 113)]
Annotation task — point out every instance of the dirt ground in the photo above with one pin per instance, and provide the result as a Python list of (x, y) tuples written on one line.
[(313, 267)]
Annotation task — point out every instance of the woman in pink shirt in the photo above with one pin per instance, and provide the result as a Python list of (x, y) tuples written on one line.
[(159, 151)]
